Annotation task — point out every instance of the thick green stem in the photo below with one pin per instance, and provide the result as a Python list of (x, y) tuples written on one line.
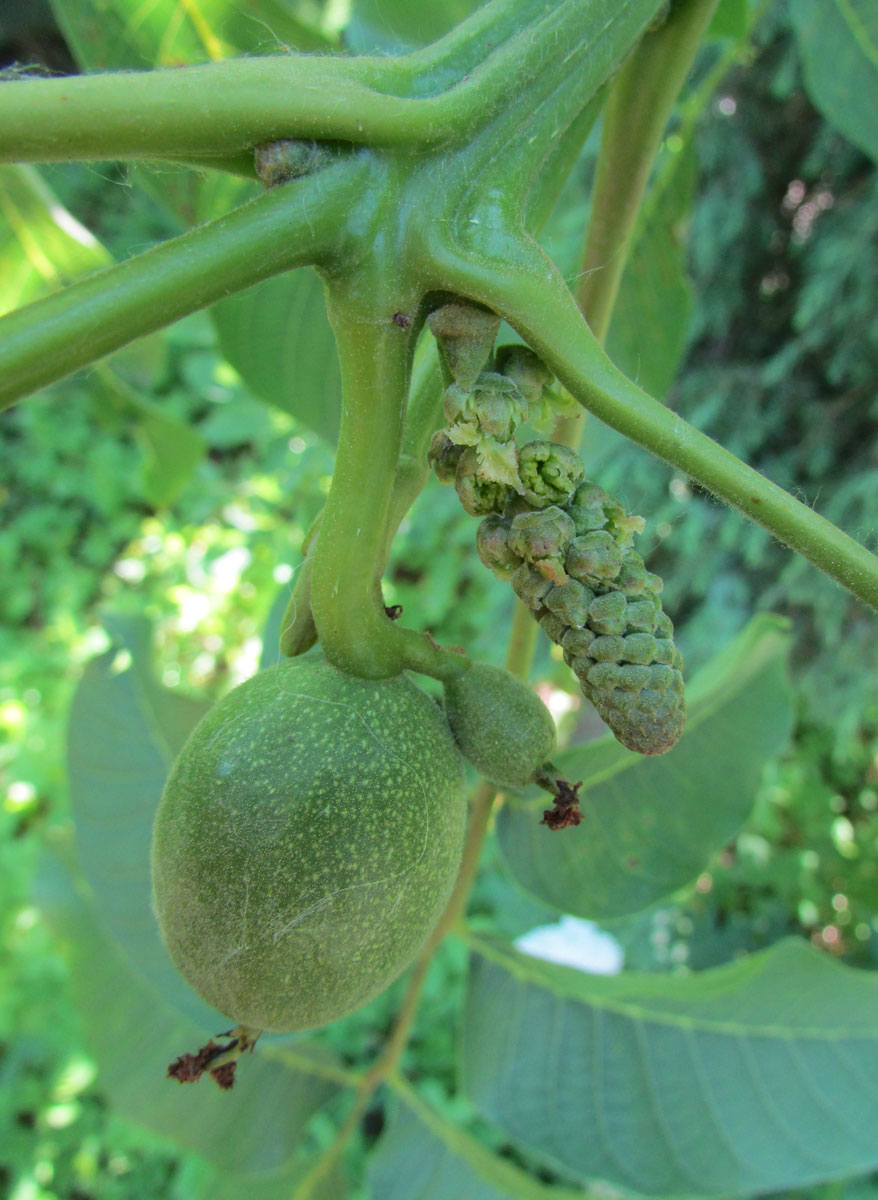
[(636, 114), (535, 300), (225, 107), (355, 633), (558, 92), (522, 641), (215, 109), (424, 415), (289, 226), (637, 111)]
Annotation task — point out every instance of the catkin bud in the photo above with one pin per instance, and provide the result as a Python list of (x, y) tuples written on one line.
[(492, 544), (549, 473), (286, 159), (478, 495), (465, 335), (527, 369), (486, 417), (591, 508), (541, 538), (444, 456)]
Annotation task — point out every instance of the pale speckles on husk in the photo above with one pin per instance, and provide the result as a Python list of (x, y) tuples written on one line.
[(306, 843)]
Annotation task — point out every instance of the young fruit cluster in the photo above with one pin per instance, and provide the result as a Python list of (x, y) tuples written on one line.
[(565, 546)]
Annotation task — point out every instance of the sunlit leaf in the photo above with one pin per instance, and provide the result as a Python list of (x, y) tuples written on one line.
[(125, 731), (42, 246), (114, 34), (651, 824), (746, 1078)]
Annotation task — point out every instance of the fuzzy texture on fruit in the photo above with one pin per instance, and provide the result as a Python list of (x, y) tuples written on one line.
[(500, 725), (306, 843)]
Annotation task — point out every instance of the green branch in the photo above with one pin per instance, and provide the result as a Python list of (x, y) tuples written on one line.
[(640, 102), (355, 632), (289, 226), (222, 109), (215, 109), (637, 111), (533, 297)]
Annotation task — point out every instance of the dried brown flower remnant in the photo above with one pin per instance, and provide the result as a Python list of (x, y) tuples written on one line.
[(224, 1076), (220, 1060), (566, 810)]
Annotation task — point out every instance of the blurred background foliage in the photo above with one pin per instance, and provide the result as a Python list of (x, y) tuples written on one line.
[(177, 482)]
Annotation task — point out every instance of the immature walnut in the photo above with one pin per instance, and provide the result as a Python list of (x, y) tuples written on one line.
[(306, 843), (499, 724)]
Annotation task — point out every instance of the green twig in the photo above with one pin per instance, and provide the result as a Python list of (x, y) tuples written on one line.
[(636, 113), (289, 226), (224, 108), (535, 300), (334, 1151), (220, 108), (309, 1066)]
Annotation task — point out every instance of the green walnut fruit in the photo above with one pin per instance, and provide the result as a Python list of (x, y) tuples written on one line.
[(306, 843), (499, 724)]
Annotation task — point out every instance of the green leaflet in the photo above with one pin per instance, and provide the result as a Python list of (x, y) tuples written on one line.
[(42, 246), (278, 338), (755, 1076), (424, 1156), (838, 44), (125, 731)]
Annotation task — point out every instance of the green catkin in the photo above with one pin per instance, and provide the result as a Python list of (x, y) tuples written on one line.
[(565, 545), (605, 612)]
